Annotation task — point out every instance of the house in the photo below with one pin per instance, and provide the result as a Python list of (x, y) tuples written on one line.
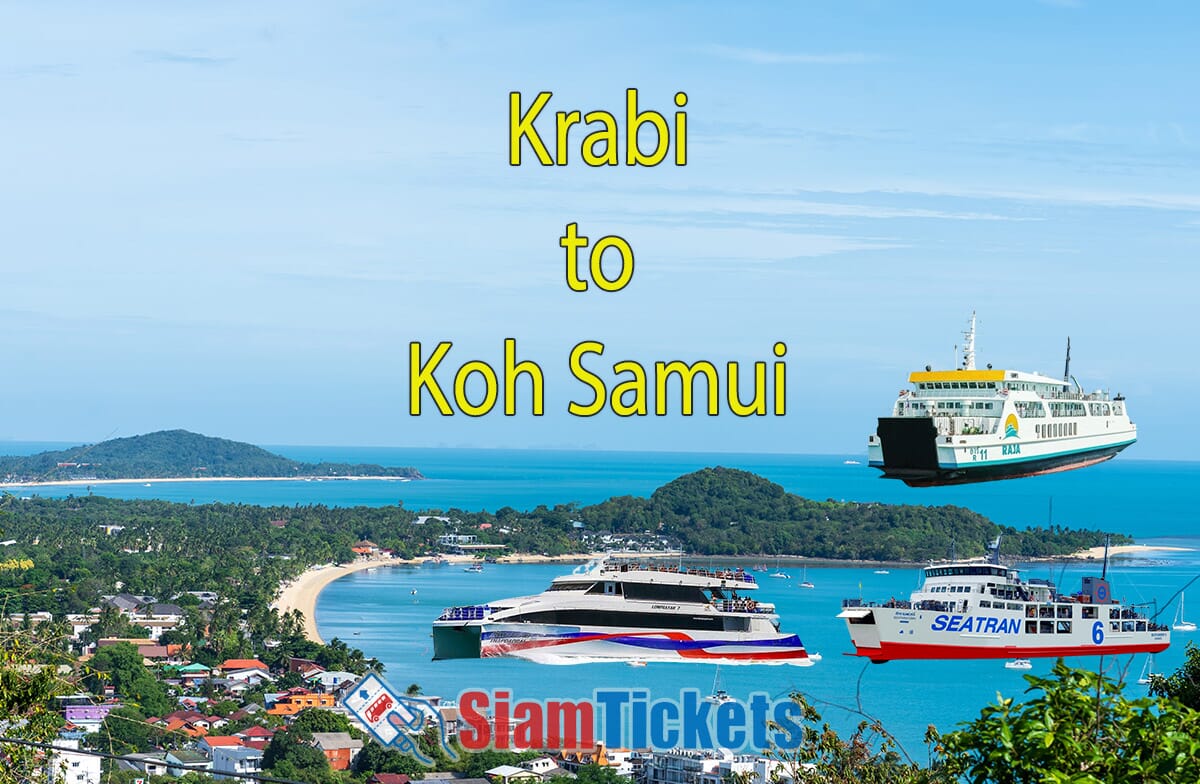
[(331, 681), (184, 761), (302, 666), (546, 768), (365, 548), (389, 778), (338, 747), (70, 767), (232, 762), (82, 711), (152, 763), (504, 774), (617, 759), (250, 677), (256, 737), (190, 673), (291, 704), (211, 743), (243, 664)]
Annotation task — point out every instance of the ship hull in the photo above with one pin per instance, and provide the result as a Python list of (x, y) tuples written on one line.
[(564, 643), (884, 633), (910, 449)]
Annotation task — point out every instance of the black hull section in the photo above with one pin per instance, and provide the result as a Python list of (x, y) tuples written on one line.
[(933, 477), (455, 642)]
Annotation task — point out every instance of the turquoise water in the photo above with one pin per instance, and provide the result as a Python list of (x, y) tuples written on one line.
[(1141, 498), (1153, 501), (375, 611)]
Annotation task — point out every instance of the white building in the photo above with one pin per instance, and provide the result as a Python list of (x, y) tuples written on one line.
[(70, 767), (231, 762)]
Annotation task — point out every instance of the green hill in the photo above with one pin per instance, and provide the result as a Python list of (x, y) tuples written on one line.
[(170, 454)]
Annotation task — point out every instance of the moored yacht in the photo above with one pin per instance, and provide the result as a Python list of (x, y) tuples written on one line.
[(609, 610), (983, 610), (975, 425)]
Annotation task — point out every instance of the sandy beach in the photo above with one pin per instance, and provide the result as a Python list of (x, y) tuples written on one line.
[(153, 480), (1097, 553), (301, 594)]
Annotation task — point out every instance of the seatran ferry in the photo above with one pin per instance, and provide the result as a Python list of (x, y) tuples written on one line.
[(972, 425), (616, 611), (984, 610)]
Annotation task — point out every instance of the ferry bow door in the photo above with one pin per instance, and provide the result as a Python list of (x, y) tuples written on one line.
[(908, 443)]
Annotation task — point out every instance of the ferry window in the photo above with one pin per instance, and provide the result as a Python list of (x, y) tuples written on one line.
[(1064, 627), (1089, 612), (984, 603), (1064, 611), (1031, 627), (1045, 612), (1106, 409), (973, 385), (1014, 607), (1141, 626), (1046, 627), (1030, 611), (1113, 612), (1114, 626)]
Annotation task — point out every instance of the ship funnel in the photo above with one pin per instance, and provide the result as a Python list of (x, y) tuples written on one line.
[(1067, 367)]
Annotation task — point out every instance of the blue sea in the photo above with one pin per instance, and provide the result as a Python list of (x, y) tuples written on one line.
[(376, 611)]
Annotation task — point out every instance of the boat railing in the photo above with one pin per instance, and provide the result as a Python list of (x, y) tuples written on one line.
[(899, 604), (736, 575), (741, 606), (474, 612)]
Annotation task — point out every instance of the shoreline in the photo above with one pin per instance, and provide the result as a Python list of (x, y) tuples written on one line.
[(161, 480), (303, 592)]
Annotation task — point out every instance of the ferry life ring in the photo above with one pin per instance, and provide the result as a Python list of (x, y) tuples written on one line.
[(1102, 593)]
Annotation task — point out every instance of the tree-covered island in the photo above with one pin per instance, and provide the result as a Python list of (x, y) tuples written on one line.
[(175, 454)]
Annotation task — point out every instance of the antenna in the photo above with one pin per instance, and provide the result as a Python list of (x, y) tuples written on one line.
[(968, 356), (1067, 367), (1104, 572)]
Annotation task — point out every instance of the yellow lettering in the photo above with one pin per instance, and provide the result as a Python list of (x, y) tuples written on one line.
[(681, 130), (607, 136), (520, 126), (758, 404), (573, 242), (490, 388), (636, 386), (780, 380), (565, 121), (424, 379), (687, 375), (597, 259), (587, 377), (512, 369), (634, 120)]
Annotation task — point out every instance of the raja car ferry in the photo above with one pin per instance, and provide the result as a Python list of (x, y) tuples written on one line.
[(984, 610), (625, 611), (973, 425)]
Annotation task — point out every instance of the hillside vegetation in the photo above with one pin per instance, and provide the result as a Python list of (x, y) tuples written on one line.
[(170, 454)]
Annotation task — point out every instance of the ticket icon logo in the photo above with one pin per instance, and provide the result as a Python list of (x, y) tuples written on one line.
[(397, 720)]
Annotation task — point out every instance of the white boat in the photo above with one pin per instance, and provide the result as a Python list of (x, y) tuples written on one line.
[(983, 610), (972, 425), (1148, 672), (718, 695), (1181, 625), (474, 569), (882, 571), (609, 610), (851, 462), (1018, 664), (636, 663), (779, 574), (804, 582)]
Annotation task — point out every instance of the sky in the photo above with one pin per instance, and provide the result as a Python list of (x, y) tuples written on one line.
[(235, 217)]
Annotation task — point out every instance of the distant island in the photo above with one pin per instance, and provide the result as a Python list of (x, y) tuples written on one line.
[(176, 454)]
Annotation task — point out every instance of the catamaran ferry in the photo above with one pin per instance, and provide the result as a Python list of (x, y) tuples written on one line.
[(984, 610), (972, 425), (625, 611)]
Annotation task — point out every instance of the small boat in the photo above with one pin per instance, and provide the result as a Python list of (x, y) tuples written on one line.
[(815, 657), (474, 569), (1018, 664), (636, 663), (882, 571), (779, 574), (851, 462), (719, 695), (1180, 624), (1148, 671), (413, 592), (804, 580)]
